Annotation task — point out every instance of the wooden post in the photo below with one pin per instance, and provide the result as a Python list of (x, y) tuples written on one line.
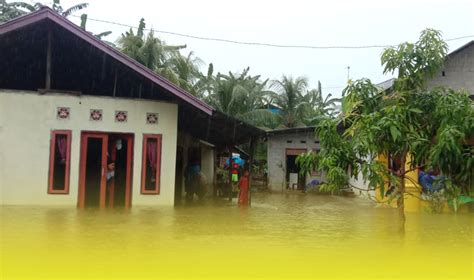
[(233, 134), (214, 175), (115, 82), (208, 130), (102, 73), (251, 158), (229, 148), (48, 60)]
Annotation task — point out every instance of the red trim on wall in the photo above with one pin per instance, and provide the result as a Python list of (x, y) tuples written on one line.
[(83, 161), (103, 179), (82, 172), (83, 166), (295, 152), (158, 138), (128, 183), (52, 157)]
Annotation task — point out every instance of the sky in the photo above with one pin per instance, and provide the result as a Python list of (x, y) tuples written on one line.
[(295, 22)]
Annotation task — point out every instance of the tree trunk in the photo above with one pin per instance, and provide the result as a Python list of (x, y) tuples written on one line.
[(401, 194)]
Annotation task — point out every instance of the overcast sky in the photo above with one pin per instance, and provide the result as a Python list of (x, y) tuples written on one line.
[(295, 22)]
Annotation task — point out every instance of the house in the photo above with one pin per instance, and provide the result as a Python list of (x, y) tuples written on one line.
[(83, 124), (458, 70), (458, 74), (283, 146)]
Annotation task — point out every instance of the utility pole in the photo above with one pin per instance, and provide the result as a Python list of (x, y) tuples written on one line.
[(348, 70)]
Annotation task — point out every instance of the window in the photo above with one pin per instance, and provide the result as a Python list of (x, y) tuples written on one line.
[(151, 164), (59, 162)]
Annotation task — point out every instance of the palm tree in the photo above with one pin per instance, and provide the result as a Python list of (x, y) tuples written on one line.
[(148, 50), (320, 106), (186, 70), (65, 12), (205, 84), (290, 98), (242, 96), (9, 11)]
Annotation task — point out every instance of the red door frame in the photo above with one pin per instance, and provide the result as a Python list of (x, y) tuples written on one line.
[(85, 135), (128, 172), (82, 167)]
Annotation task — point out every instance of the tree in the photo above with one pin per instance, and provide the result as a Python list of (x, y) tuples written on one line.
[(419, 127), (186, 70), (289, 97), (9, 11), (98, 35), (150, 51), (56, 6), (15, 9), (320, 106), (242, 96)]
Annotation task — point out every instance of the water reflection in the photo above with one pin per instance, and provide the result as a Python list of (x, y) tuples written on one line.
[(280, 236)]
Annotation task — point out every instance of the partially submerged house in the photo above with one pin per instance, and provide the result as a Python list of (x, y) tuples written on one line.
[(283, 146), (71, 105), (458, 74)]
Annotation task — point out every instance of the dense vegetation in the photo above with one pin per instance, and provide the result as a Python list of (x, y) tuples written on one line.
[(420, 128)]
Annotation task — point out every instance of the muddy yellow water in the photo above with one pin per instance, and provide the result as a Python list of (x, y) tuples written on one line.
[(281, 236)]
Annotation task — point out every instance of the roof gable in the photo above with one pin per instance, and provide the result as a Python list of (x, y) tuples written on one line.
[(47, 13)]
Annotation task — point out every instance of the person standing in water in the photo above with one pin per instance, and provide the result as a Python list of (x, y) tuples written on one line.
[(244, 189)]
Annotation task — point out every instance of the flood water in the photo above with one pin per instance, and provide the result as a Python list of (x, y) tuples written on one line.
[(282, 236)]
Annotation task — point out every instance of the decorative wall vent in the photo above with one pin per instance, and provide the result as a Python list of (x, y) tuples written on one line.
[(95, 115), (121, 116), (152, 118), (63, 113)]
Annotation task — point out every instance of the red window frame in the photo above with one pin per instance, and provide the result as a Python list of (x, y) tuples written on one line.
[(158, 138), (52, 157)]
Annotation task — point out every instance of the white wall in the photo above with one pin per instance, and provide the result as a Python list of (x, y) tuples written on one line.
[(26, 121), (276, 156)]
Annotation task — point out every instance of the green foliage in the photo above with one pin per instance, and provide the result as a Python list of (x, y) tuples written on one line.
[(9, 11), (415, 62), (164, 59), (427, 127), (289, 97), (240, 95)]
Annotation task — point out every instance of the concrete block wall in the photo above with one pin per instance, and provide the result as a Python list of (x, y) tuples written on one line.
[(276, 156), (458, 71)]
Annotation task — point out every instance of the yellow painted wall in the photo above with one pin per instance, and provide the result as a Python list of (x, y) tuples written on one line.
[(412, 204), (26, 121)]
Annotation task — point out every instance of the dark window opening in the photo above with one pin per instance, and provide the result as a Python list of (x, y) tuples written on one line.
[(151, 164), (60, 154)]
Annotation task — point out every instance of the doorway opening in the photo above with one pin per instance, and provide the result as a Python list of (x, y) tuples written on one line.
[(105, 174), (295, 180)]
